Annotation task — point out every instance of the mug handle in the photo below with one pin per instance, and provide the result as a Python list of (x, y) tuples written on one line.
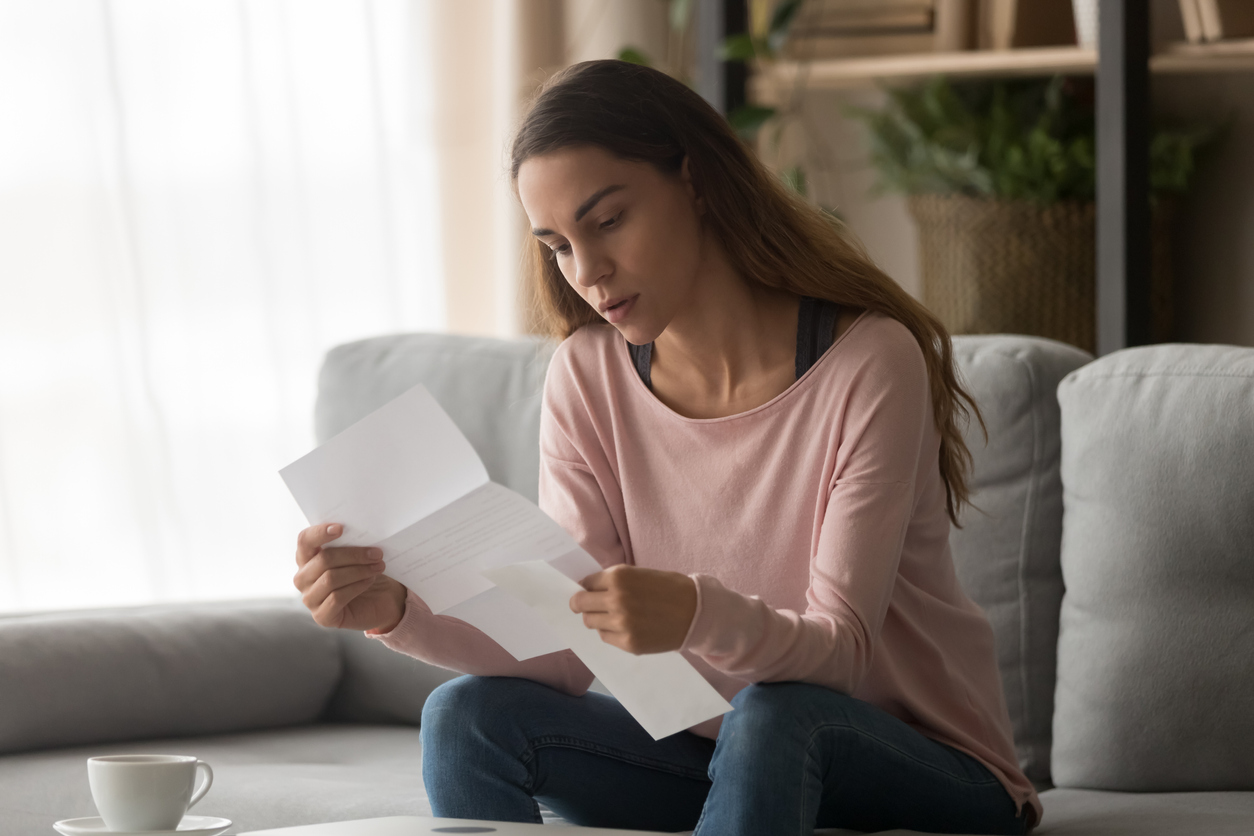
[(204, 788)]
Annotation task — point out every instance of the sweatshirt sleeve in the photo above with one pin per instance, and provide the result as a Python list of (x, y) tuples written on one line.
[(853, 568), (451, 643)]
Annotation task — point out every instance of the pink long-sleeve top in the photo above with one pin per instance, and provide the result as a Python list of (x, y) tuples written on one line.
[(814, 527)]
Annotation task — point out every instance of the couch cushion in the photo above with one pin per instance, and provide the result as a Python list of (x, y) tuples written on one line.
[(1155, 674), (1006, 552), (91, 677), (1094, 813), (490, 388), (275, 778), (380, 685)]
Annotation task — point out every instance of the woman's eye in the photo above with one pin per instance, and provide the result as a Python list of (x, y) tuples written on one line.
[(564, 249)]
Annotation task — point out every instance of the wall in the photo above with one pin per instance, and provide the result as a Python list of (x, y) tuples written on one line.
[(839, 176), (601, 28), (1214, 241)]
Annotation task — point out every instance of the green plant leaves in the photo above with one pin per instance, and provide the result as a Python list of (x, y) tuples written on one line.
[(746, 120), (745, 47), (1030, 140), (738, 48), (634, 56), (679, 14), (1173, 156), (781, 20), (794, 177)]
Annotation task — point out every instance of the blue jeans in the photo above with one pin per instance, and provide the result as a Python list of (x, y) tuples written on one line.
[(790, 758)]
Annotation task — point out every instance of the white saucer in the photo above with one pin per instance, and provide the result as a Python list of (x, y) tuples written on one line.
[(189, 826)]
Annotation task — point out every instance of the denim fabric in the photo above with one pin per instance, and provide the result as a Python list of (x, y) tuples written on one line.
[(789, 758)]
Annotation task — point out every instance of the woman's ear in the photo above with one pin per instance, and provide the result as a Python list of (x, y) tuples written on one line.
[(685, 176)]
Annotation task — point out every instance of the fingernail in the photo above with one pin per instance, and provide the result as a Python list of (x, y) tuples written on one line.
[(333, 529), (375, 554)]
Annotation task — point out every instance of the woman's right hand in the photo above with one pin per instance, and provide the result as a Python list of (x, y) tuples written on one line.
[(345, 587)]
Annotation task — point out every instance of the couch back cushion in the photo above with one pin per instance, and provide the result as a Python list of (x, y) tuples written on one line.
[(1156, 650), (1006, 552), (93, 677), (490, 388), (380, 685)]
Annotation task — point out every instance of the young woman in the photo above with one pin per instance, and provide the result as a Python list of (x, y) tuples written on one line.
[(756, 432)]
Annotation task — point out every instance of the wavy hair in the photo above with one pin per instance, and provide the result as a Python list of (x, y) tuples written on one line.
[(770, 234)]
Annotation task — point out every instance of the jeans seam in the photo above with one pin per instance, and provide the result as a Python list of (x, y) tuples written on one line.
[(992, 779), (527, 758), (561, 741)]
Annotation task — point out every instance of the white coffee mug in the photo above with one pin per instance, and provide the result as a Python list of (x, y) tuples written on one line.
[(145, 792)]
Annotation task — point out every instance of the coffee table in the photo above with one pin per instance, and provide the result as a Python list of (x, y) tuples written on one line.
[(423, 826)]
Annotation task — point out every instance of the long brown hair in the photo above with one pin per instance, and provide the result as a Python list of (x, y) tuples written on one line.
[(770, 234)]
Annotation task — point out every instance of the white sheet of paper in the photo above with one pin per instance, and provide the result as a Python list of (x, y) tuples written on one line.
[(405, 479), (514, 625), (661, 690), (441, 557), (391, 468)]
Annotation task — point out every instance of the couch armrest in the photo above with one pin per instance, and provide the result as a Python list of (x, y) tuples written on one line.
[(91, 677)]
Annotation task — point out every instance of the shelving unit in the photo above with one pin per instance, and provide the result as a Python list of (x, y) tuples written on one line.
[(1122, 65), (768, 82)]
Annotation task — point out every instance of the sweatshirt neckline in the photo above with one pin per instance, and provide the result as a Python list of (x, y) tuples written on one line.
[(801, 383)]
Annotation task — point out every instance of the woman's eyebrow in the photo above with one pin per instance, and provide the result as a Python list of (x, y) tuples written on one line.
[(584, 208)]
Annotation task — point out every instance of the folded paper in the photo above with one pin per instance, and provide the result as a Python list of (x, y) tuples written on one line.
[(663, 691)]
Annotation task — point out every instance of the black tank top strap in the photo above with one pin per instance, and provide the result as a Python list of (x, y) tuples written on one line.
[(642, 359), (816, 328)]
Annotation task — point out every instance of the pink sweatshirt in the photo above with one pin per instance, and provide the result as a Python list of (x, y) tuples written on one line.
[(814, 527)]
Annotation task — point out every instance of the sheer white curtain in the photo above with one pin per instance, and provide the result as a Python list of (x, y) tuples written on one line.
[(197, 199)]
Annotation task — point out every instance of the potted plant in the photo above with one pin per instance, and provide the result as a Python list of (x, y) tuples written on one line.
[(1000, 178)]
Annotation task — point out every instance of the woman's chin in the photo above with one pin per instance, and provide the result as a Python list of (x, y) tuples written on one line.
[(633, 324), (634, 334)]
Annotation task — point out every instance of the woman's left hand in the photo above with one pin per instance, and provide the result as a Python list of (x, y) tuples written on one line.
[(638, 610)]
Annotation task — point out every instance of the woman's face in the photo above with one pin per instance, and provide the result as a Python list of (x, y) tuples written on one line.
[(626, 236)]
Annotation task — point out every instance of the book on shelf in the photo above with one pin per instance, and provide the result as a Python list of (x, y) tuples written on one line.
[(855, 18), (863, 28), (1011, 24), (1222, 19), (859, 28), (954, 25), (1192, 17)]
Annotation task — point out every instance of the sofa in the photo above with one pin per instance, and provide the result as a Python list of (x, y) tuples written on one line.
[(1110, 541)]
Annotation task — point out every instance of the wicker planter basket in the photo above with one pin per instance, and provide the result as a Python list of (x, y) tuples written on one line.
[(1016, 267)]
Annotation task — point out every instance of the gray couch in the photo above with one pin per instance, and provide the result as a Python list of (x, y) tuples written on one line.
[(1112, 547)]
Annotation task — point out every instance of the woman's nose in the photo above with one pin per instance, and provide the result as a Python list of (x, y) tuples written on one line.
[(591, 266)]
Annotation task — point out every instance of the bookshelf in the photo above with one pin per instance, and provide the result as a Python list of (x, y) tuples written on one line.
[(1122, 66), (769, 82)]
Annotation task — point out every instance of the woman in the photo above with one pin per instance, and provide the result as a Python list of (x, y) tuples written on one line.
[(762, 449)]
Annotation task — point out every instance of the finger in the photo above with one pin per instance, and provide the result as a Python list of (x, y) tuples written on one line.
[(333, 559), (602, 622), (349, 556), (313, 538), (589, 602), (328, 614), (594, 581), (620, 640), (336, 579)]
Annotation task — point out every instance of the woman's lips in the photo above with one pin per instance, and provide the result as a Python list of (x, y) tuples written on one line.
[(618, 312)]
